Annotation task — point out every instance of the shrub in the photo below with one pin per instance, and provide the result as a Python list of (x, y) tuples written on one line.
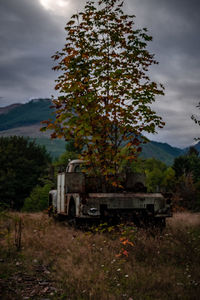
[(38, 199)]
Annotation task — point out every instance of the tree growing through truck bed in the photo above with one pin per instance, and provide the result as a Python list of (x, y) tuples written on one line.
[(104, 90)]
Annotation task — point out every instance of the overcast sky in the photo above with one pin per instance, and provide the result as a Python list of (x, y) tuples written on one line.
[(31, 31)]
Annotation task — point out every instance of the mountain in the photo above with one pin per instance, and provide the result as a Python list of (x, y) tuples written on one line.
[(196, 146), (161, 151), (25, 120), (5, 110), (27, 114)]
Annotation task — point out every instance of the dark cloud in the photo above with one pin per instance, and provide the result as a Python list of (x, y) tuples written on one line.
[(30, 35), (174, 26)]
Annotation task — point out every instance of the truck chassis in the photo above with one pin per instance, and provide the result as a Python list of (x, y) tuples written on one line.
[(76, 198)]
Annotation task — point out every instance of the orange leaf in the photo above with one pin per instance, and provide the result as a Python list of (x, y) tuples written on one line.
[(118, 255)]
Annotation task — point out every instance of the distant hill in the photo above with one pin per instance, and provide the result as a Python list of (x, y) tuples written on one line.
[(24, 119), (197, 147), (5, 110), (54, 146), (161, 151), (27, 114)]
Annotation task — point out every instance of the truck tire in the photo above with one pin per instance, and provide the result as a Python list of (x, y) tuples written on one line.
[(72, 213)]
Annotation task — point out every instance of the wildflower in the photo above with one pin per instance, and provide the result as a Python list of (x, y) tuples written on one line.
[(126, 275), (125, 253), (118, 270)]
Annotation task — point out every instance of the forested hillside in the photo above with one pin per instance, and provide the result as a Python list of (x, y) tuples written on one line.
[(27, 114), (25, 120), (160, 151)]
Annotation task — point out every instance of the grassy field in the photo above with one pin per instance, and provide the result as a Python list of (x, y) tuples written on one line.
[(41, 259)]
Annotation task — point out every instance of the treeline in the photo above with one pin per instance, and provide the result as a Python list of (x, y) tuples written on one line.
[(27, 174), (24, 165), (182, 179)]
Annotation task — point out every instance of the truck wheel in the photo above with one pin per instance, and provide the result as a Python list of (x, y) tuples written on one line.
[(72, 214)]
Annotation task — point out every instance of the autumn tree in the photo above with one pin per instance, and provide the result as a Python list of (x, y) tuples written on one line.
[(104, 90)]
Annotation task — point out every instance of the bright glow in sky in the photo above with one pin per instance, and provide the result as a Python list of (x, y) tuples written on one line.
[(56, 6)]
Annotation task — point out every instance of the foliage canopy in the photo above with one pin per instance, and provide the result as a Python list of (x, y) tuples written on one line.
[(38, 199), (22, 164), (188, 164), (187, 170), (159, 177), (105, 92)]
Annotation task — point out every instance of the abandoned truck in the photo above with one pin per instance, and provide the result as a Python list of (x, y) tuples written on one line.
[(80, 196)]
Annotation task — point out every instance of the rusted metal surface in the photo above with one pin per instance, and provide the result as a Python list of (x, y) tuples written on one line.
[(128, 200), (89, 199), (125, 195), (114, 201), (135, 181), (75, 182)]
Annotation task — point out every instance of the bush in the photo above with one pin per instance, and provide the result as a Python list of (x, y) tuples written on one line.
[(38, 199)]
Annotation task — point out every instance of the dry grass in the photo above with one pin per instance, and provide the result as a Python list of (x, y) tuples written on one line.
[(185, 219), (125, 263)]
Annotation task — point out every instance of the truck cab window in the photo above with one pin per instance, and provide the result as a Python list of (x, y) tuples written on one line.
[(77, 169)]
